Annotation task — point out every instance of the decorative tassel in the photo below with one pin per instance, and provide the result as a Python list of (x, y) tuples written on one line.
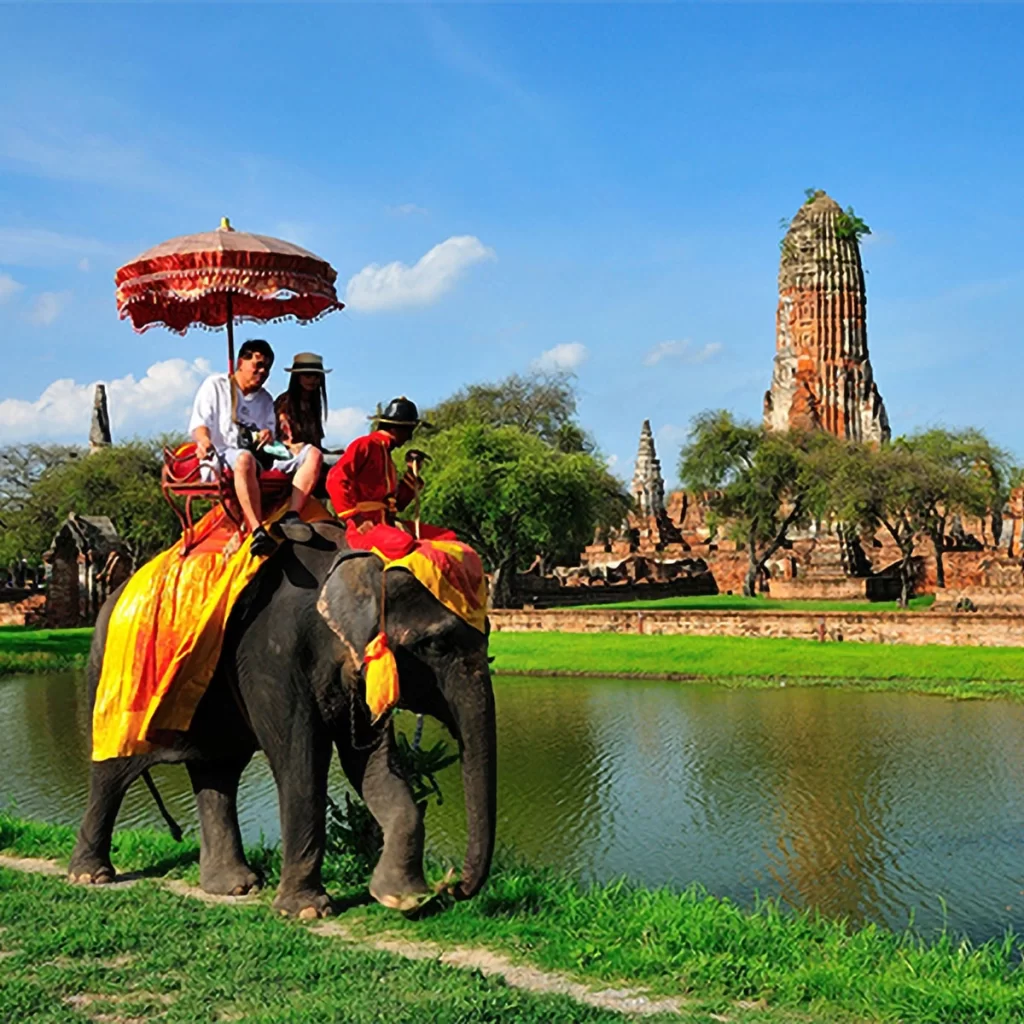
[(381, 676)]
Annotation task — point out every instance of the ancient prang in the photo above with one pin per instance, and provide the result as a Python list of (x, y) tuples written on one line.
[(822, 377), (648, 487)]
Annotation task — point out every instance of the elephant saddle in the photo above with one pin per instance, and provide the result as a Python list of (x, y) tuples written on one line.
[(165, 635), (450, 570)]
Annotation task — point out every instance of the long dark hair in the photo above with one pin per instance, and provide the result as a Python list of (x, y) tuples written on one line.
[(307, 410)]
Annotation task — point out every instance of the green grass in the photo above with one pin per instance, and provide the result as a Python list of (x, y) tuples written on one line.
[(142, 946), (755, 661), (74, 956), (43, 650), (716, 602)]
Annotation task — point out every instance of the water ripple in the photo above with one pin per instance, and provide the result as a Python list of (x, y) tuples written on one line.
[(873, 807)]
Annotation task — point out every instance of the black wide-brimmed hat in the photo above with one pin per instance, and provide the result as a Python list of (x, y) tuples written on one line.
[(399, 413), (307, 362)]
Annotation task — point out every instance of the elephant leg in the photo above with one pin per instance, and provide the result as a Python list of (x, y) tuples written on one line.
[(301, 774), (397, 880), (222, 866), (108, 783)]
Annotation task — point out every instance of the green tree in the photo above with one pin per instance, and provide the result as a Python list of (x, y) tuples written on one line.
[(760, 484), (540, 404), (21, 466), (963, 473), (512, 496), (888, 488), (122, 482)]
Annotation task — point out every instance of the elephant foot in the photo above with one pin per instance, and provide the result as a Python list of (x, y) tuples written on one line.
[(91, 871), (305, 904), (399, 891), (228, 879)]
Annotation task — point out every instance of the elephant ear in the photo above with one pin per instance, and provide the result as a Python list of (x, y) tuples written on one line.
[(349, 603)]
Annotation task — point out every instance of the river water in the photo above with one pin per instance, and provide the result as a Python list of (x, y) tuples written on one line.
[(876, 807)]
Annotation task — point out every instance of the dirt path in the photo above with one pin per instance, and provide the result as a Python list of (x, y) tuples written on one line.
[(635, 1002)]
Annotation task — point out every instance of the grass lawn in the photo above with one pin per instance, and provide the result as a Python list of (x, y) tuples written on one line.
[(43, 650), (78, 956), (715, 602), (958, 671), (144, 952)]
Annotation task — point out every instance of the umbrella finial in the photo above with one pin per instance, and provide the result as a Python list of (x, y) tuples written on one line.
[(225, 224)]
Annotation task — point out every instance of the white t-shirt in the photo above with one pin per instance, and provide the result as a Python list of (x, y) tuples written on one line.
[(212, 409)]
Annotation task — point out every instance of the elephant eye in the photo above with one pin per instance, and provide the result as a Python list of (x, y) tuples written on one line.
[(435, 645)]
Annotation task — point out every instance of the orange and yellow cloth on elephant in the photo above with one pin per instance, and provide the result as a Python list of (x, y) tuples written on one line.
[(165, 636), (450, 570)]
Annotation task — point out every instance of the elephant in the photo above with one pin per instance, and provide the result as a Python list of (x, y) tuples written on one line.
[(289, 681)]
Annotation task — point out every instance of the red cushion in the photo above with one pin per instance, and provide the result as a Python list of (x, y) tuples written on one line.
[(183, 467)]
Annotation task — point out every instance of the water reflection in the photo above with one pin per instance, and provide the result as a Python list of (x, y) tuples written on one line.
[(873, 807)]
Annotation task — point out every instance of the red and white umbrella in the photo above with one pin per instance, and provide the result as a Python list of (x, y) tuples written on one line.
[(217, 277)]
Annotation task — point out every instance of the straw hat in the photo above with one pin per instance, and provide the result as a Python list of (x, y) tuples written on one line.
[(307, 362)]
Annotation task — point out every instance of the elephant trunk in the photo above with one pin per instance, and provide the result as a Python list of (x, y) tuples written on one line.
[(474, 715)]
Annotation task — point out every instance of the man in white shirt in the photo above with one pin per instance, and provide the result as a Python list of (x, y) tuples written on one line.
[(219, 428)]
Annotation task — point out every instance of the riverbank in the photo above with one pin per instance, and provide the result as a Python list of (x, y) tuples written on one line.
[(755, 662), (26, 650), (966, 672), (71, 952)]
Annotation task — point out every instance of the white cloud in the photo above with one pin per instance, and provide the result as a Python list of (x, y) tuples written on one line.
[(344, 424), (568, 356), (159, 400), (47, 307), (9, 288), (395, 285), (407, 210), (37, 247), (683, 351)]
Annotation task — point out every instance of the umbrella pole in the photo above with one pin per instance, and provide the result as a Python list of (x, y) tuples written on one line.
[(231, 334), (231, 355)]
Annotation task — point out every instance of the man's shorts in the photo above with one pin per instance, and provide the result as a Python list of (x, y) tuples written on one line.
[(229, 456)]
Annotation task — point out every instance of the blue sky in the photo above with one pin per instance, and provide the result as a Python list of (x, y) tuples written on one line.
[(591, 186)]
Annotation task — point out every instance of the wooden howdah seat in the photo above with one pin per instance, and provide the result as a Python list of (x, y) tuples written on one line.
[(182, 484)]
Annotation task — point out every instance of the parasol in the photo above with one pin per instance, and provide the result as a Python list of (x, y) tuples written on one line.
[(217, 277)]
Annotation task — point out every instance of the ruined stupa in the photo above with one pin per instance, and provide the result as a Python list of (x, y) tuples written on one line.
[(822, 377), (648, 487), (99, 430)]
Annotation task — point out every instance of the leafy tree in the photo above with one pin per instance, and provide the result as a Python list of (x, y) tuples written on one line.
[(21, 466), (540, 404), (512, 496), (122, 482), (889, 488), (759, 483), (961, 473)]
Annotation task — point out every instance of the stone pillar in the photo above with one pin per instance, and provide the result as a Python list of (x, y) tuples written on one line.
[(99, 430)]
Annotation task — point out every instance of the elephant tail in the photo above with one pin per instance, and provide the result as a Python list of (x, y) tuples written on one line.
[(175, 828)]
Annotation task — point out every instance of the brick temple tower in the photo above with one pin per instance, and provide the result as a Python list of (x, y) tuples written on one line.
[(822, 377)]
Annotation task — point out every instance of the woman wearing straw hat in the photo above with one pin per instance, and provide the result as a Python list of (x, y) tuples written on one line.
[(300, 420), (301, 409)]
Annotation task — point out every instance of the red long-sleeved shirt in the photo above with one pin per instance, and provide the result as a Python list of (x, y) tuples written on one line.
[(363, 484)]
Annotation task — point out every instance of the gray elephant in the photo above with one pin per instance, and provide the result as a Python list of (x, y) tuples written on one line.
[(289, 682)]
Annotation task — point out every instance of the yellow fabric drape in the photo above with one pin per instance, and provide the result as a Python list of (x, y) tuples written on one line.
[(165, 636)]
